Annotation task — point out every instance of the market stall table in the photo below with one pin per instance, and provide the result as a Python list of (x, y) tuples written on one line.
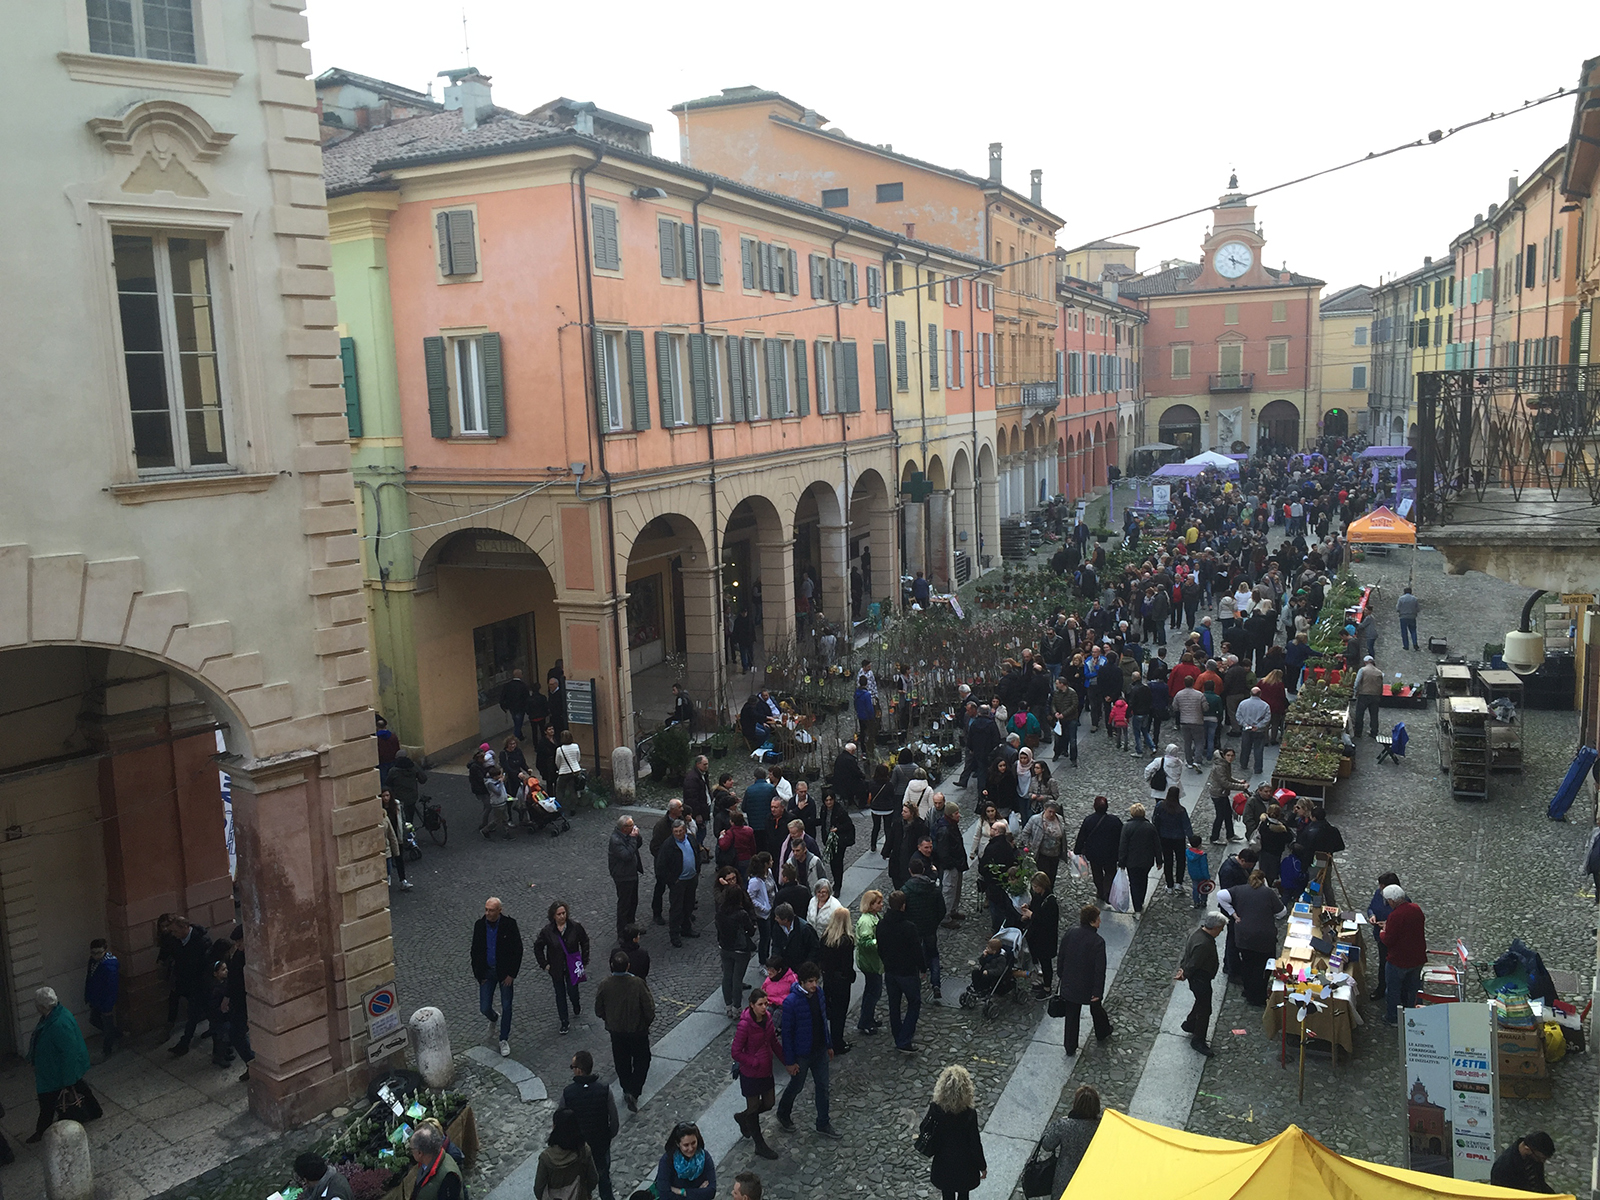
[(1334, 1017)]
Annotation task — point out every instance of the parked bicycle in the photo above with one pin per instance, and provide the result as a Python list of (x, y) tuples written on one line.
[(433, 821)]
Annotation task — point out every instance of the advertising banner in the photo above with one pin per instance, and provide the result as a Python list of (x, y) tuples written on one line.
[(1450, 1089)]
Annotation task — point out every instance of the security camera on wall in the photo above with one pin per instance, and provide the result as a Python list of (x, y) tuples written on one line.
[(1524, 652)]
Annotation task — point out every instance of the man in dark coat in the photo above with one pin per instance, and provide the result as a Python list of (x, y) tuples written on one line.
[(496, 960), (697, 795), (1198, 968), (849, 784), (1521, 1164), (1082, 964), (514, 701), (983, 735), (625, 864), (793, 939), (597, 1114), (191, 974), (1234, 873)]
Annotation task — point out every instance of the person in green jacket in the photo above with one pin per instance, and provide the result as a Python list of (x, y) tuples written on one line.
[(436, 1176), (60, 1057), (867, 960)]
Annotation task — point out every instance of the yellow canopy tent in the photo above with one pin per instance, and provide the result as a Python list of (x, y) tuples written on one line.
[(1151, 1159), (1382, 526)]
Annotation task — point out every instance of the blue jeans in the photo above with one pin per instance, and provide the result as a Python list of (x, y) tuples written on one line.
[(1253, 742), (870, 992), (1211, 737), (1141, 732), (909, 987), (746, 653), (1408, 634), (930, 951), (602, 1164), (486, 1003), (817, 1067), (1399, 989), (1067, 743)]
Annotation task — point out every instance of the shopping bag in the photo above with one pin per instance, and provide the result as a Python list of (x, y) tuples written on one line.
[(1078, 865), (1121, 892)]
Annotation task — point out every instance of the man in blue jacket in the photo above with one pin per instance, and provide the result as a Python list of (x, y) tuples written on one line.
[(806, 1047), (100, 984)]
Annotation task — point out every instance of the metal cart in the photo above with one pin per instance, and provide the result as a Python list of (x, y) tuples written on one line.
[(1464, 747), (1505, 737)]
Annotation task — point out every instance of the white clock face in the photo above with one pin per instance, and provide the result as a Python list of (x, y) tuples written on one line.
[(1233, 260)]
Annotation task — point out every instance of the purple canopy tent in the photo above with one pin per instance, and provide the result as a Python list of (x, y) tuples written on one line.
[(1180, 471), (1388, 452)]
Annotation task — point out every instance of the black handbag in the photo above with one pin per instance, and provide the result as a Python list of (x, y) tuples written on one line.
[(1057, 1007), (1039, 1175), (927, 1135)]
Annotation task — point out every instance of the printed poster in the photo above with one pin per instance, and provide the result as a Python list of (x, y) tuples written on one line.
[(1450, 1090)]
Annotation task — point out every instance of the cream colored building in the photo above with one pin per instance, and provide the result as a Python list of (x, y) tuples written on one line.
[(1344, 356), (177, 554)]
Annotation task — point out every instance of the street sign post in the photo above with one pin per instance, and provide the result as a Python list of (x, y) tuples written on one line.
[(382, 1006)]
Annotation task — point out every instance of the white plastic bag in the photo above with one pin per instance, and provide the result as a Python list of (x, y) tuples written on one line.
[(1121, 892)]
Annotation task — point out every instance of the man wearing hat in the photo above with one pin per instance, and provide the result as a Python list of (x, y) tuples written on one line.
[(1521, 1164), (1368, 691)]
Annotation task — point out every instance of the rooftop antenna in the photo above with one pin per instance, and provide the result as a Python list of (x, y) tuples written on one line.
[(466, 46)]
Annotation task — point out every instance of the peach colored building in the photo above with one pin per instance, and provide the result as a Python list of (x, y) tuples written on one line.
[(635, 399), (1098, 359)]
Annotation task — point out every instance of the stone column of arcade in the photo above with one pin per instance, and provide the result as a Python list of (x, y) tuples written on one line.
[(834, 599), (777, 595), (941, 540), (913, 515), (703, 631)]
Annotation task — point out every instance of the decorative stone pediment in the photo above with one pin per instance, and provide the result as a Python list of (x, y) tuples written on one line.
[(162, 128)]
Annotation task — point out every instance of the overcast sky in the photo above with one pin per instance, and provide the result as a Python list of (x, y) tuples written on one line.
[(1135, 112)]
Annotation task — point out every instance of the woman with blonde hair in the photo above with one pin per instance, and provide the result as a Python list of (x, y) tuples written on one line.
[(958, 1162), (837, 960), (868, 961)]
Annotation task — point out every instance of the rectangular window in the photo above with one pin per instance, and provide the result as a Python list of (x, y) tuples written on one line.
[(1358, 379), (902, 359), (1450, 290), (669, 378), (780, 401), (899, 285), (711, 255), (1094, 373), (603, 232), (1074, 374), (933, 286), (932, 348), (471, 415), (1230, 314), (1438, 331), (780, 270), (981, 368), (820, 276), (1361, 335), (835, 197), (827, 386), (891, 193), (1180, 362), (752, 378), (458, 242), (1532, 261), (1277, 357), (1438, 293), (170, 351), (748, 257), (610, 369), (1422, 333), (1280, 310), (874, 287), (158, 29)]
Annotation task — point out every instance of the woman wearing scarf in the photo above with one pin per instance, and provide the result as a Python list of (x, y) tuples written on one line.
[(685, 1171)]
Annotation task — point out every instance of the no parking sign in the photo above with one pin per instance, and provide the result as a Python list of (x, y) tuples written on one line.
[(382, 1005)]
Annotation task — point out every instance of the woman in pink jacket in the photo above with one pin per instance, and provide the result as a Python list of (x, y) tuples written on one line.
[(755, 1044)]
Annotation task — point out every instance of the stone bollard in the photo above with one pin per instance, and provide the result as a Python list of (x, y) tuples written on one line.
[(622, 777), (432, 1037), (67, 1172)]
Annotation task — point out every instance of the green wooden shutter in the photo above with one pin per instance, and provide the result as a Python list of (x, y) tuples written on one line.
[(735, 349), (855, 284), (638, 381), (802, 385), (438, 386), (852, 385), (822, 350), (880, 373), (686, 252), (699, 379), (932, 349), (902, 359), (667, 236), (833, 279), (752, 401), (441, 229), (602, 395), (794, 273), (764, 251), (816, 261), (711, 255), (463, 243), (352, 386), (669, 415), (777, 401), (603, 231), (494, 386)]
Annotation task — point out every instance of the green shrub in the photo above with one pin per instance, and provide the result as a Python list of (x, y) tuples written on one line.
[(669, 755)]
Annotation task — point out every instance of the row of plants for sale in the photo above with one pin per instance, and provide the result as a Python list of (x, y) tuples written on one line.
[(1314, 726), (369, 1149)]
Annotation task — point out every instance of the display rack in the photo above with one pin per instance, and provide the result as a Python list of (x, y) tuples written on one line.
[(1505, 737), (1464, 747)]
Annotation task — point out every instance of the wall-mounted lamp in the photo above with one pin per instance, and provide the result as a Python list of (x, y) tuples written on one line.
[(648, 193), (578, 468)]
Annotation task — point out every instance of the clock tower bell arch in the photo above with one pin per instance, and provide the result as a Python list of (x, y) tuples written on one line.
[(1230, 257)]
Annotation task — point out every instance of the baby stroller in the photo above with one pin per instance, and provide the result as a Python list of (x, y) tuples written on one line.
[(993, 983), (541, 810)]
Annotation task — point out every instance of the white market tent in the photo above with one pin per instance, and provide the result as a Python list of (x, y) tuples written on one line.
[(1210, 458)]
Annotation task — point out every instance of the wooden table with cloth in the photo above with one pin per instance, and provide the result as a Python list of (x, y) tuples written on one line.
[(1314, 936)]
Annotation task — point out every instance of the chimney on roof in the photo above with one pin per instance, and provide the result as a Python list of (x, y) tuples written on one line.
[(1036, 185), (994, 162), (1108, 287), (1477, 218), (1427, 260), (468, 91), (1493, 208), (583, 118), (1511, 187), (811, 118)]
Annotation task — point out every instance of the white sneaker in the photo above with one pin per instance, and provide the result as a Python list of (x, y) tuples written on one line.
[(505, 1049), (405, 885)]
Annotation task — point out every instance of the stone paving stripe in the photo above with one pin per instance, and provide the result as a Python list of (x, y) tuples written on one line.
[(529, 1086), (1172, 1073)]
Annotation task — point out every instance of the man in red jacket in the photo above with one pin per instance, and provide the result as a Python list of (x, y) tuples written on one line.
[(1405, 943)]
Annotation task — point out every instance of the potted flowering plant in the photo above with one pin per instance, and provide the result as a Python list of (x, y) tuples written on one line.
[(1016, 879)]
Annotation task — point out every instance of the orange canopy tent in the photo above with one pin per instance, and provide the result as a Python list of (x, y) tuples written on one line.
[(1383, 527), (1291, 1166)]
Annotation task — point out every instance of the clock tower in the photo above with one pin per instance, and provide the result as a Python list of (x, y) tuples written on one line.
[(1231, 255)]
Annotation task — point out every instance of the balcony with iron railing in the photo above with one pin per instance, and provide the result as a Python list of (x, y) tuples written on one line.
[(1233, 381)]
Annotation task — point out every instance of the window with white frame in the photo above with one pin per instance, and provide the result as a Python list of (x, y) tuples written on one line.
[(671, 381), (170, 350), (716, 348), (780, 398), (611, 373), (157, 29), (466, 385), (752, 378)]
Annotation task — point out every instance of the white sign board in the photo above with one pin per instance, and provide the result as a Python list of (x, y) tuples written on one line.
[(383, 1047), (1450, 1089), (1160, 496), (382, 1006)]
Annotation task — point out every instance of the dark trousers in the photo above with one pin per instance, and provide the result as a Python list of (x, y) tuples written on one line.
[(1198, 1022), (910, 988), (1103, 874), (566, 992), (1171, 860), (1067, 743), (764, 939), (1223, 806), (734, 964), (1138, 885), (1408, 633), (1097, 1014), (838, 993), (817, 1067), (867, 1017), (1366, 704), (682, 900), (106, 1023), (1050, 864), (602, 1165), (631, 1054), (627, 904), (199, 1010), (1230, 954), (88, 1107), (655, 899), (1254, 965)]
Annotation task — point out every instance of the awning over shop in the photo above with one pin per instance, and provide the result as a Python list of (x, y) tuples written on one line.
[(1382, 526), (1293, 1164)]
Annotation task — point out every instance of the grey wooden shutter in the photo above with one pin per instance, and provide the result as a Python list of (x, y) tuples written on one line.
[(880, 374), (352, 386), (794, 273), (438, 386), (686, 254), (603, 229), (667, 234), (494, 387), (463, 243), (802, 385), (602, 396), (735, 349), (711, 255), (822, 350), (752, 402), (669, 415), (638, 380), (874, 288), (1061, 373), (777, 402), (816, 261), (441, 229), (833, 279), (855, 284), (851, 390), (902, 362), (699, 380), (747, 262), (932, 348), (764, 250)]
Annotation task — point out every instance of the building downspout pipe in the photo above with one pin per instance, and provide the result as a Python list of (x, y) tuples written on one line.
[(711, 455)]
